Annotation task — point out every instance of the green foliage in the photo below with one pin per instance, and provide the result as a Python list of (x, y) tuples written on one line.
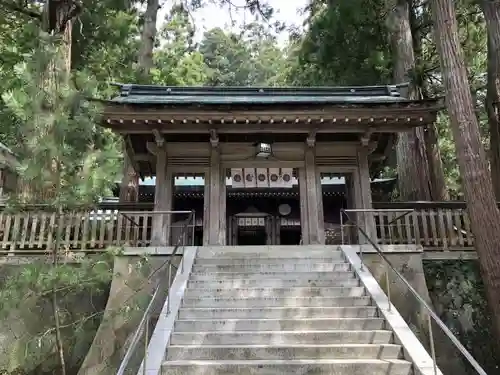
[(61, 149), (344, 46), (249, 59), (27, 316), (458, 295), (105, 44)]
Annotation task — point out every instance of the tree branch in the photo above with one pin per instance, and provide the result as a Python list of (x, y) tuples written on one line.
[(20, 9)]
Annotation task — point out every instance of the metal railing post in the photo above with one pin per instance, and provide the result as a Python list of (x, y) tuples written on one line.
[(342, 227), (194, 228), (146, 335), (431, 342), (387, 281)]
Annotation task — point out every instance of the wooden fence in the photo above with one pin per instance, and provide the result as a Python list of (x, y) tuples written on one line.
[(36, 231), (431, 228)]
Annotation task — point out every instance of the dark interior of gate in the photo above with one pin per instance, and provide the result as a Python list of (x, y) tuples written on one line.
[(261, 215)]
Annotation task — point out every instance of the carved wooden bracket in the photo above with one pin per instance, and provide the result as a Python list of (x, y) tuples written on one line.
[(311, 138), (214, 138), (365, 139), (160, 141)]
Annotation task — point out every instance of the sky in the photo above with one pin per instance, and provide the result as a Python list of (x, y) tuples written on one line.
[(208, 17)]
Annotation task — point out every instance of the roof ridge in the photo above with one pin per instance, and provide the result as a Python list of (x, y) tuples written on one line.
[(157, 90)]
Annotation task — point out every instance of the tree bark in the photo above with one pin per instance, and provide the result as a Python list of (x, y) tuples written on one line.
[(491, 11), (148, 38), (472, 161), (412, 165), (439, 191)]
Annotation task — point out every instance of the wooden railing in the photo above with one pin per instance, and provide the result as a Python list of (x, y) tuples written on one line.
[(433, 228), (440, 226), (37, 231)]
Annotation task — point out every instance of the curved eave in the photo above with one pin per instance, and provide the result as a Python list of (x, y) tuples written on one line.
[(386, 117)]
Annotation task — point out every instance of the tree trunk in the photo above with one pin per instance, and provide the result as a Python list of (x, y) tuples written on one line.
[(148, 38), (472, 162), (413, 173), (491, 11), (439, 192)]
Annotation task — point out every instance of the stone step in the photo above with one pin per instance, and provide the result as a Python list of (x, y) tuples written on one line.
[(281, 337), (206, 325), (287, 367), (278, 312), (287, 282), (255, 252), (272, 292), (272, 275), (292, 301), (271, 352), (277, 267), (333, 258)]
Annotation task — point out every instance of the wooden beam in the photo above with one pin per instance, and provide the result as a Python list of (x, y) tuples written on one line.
[(144, 157), (358, 128)]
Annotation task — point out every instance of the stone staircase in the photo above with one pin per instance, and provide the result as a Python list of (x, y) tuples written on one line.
[(289, 310)]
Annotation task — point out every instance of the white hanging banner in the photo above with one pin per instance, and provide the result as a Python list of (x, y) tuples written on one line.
[(274, 178), (287, 177), (262, 178), (237, 180), (249, 177)]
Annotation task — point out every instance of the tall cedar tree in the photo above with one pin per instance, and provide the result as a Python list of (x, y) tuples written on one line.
[(472, 161), (412, 168), (491, 11)]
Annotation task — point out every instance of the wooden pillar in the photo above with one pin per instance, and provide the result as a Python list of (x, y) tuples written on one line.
[(160, 235), (222, 206), (314, 196), (268, 225), (129, 187), (217, 200), (321, 214), (206, 210), (304, 212), (363, 194)]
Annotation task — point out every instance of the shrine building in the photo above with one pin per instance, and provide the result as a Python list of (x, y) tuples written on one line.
[(261, 165)]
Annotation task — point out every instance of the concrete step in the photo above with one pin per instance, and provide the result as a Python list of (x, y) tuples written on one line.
[(277, 267), (272, 292), (287, 282), (287, 367), (277, 302), (332, 258), (271, 352), (272, 275), (281, 337), (278, 312), (268, 252), (206, 325)]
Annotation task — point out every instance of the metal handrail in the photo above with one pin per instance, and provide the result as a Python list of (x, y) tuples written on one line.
[(145, 318), (422, 302), (126, 214), (404, 211)]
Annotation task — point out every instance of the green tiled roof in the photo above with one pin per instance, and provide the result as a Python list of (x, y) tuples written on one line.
[(149, 94)]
